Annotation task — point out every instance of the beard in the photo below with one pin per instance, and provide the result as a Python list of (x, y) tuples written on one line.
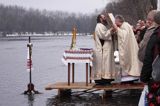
[(118, 25), (105, 22)]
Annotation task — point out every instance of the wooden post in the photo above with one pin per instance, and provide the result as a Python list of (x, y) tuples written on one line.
[(68, 73), (107, 94), (64, 93), (72, 72), (30, 85), (30, 68), (90, 73), (86, 74)]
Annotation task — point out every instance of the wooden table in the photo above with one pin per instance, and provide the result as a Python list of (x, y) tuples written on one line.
[(88, 69), (72, 57)]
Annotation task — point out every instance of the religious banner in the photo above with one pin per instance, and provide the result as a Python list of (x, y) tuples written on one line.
[(29, 59)]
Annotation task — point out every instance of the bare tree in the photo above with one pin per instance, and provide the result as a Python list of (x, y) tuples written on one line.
[(132, 10), (18, 19)]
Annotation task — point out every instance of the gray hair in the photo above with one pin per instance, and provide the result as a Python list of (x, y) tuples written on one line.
[(157, 17), (151, 14), (120, 17)]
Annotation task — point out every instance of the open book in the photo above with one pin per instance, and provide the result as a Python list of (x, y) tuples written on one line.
[(110, 19)]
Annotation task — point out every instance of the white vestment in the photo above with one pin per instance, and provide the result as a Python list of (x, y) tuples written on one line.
[(128, 51), (103, 56)]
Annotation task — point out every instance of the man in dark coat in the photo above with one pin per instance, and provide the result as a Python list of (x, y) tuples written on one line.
[(151, 52)]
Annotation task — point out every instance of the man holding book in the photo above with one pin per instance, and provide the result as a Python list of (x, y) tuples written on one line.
[(103, 57)]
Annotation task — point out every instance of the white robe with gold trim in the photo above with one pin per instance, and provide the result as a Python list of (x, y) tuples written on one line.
[(128, 50), (103, 56)]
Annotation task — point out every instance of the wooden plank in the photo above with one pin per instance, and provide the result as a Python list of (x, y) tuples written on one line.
[(64, 85), (121, 86), (82, 85)]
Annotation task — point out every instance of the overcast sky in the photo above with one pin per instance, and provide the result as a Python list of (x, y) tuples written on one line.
[(83, 6)]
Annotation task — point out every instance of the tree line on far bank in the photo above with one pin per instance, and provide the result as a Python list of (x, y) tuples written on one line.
[(20, 20)]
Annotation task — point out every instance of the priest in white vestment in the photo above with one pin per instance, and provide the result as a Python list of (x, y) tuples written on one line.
[(128, 50), (103, 56)]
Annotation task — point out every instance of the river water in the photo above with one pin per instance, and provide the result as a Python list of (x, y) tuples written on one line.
[(48, 68)]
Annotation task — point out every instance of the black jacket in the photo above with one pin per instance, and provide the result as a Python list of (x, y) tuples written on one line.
[(149, 56)]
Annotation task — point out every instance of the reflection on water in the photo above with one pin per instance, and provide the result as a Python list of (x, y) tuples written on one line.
[(30, 99), (120, 98)]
